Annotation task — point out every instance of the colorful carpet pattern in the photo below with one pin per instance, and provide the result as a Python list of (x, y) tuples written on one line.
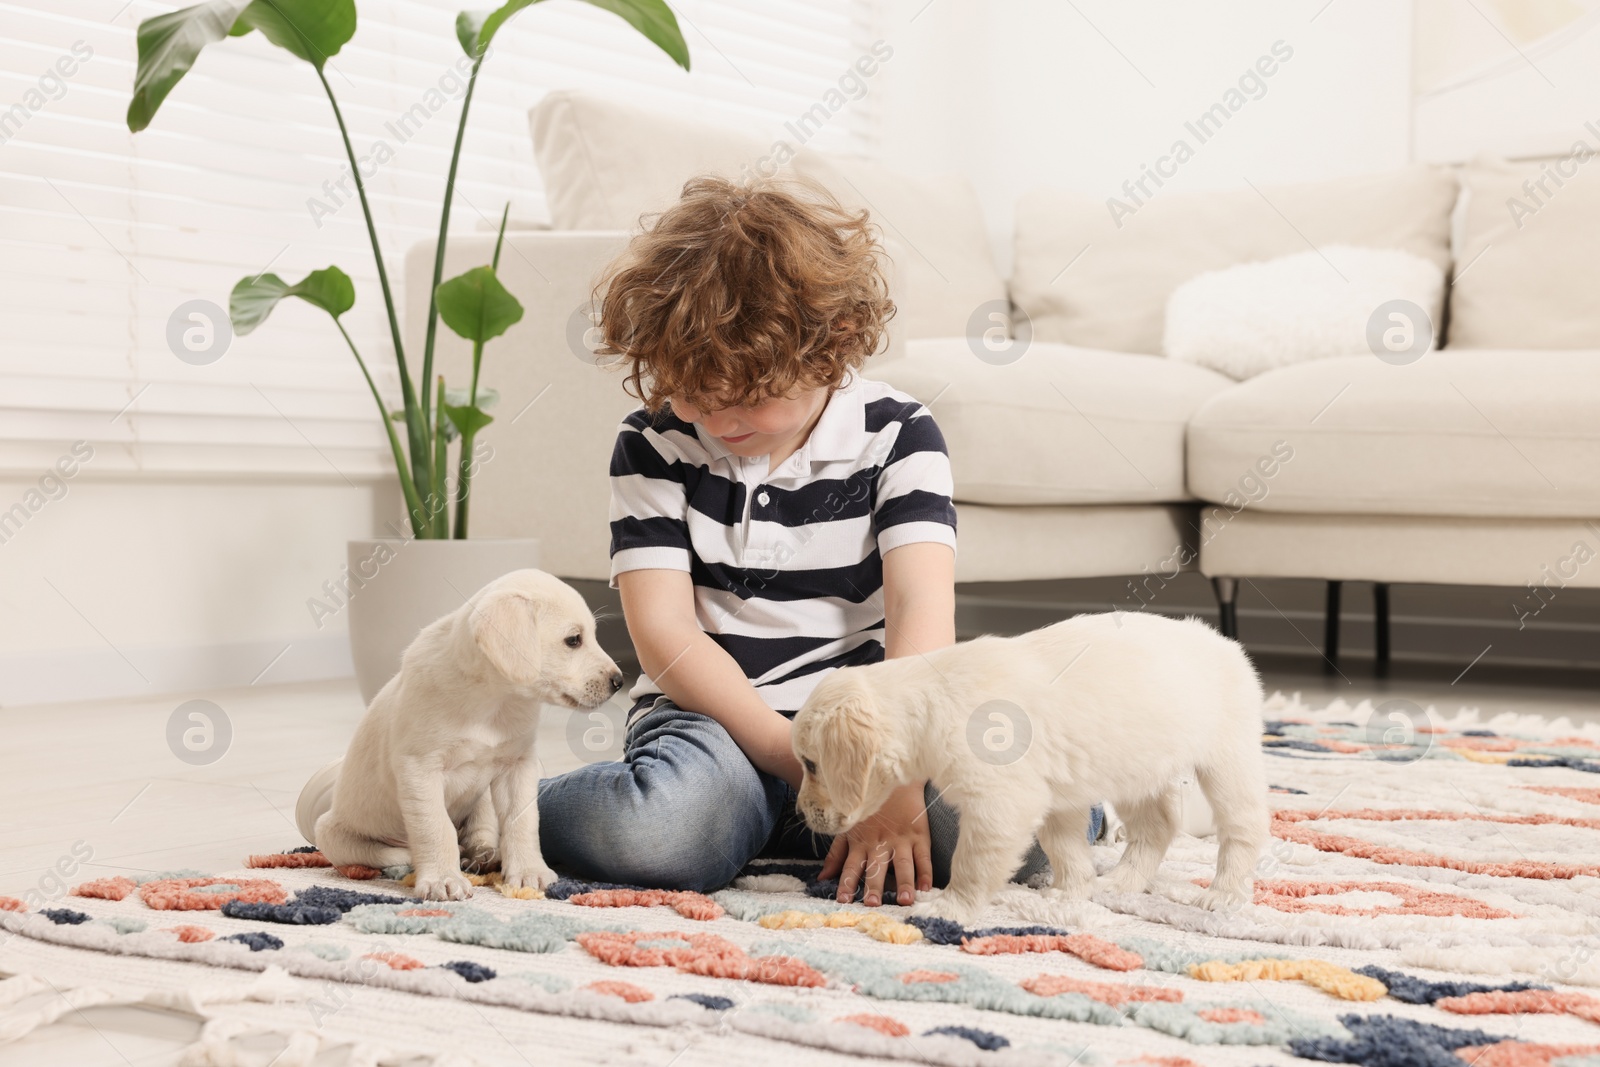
[(1431, 896)]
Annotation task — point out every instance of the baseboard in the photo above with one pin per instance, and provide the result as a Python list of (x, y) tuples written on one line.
[(102, 673), (1426, 624), (1416, 639)]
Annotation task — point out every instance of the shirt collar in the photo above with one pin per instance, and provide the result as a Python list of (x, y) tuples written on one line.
[(841, 427), (837, 434)]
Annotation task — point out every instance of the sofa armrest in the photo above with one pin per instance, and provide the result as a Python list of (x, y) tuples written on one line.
[(556, 421)]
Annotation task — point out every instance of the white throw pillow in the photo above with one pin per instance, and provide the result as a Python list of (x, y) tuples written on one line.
[(1250, 318)]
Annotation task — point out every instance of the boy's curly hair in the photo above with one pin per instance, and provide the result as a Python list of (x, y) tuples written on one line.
[(739, 294)]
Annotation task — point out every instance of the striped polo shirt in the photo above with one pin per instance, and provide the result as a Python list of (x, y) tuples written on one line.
[(787, 564)]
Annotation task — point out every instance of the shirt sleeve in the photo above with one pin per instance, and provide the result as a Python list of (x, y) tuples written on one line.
[(914, 488), (649, 503)]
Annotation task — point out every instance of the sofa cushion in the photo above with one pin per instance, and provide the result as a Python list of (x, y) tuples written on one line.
[(946, 269), (1459, 432), (1528, 256), (1061, 425), (1087, 279), (605, 163)]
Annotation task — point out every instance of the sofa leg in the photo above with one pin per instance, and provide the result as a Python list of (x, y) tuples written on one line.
[(1330, 635), (1380, 626), (1227, 590)]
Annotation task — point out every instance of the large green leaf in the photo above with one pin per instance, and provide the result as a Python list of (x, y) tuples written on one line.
[(460, 400), (464, 419), (312, 29), (653, 18), (168, 44), (476, 306), (469, 27), (254, 298)]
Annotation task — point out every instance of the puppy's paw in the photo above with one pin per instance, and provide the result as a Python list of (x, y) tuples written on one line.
[(452, 885), (944, 906), (1122, 879), (1221, 900), (1072, 889), (529, 876), (480, 853)]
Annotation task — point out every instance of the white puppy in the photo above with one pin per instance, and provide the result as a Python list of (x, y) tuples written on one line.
[(444, 762), (1023, 735)]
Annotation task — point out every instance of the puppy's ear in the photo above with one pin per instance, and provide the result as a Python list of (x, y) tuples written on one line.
[(849, 737), (506, 632)]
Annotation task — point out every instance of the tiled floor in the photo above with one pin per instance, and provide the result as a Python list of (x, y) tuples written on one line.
[(99, 779)]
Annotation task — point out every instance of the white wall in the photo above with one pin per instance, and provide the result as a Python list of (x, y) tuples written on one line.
[(1022, 93), (130, 584)]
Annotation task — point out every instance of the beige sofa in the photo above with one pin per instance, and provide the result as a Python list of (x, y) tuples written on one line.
[(1077, 452), (1477, 464)]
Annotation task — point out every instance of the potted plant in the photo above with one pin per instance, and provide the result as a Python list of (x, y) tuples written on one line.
[(394, 586)]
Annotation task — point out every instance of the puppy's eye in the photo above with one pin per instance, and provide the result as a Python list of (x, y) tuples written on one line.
[(809, 765), (575, 640)]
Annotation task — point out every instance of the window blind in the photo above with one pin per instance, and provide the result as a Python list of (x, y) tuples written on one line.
[(109, 239)]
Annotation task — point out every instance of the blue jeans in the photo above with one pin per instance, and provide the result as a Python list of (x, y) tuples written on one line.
[(686, 809)]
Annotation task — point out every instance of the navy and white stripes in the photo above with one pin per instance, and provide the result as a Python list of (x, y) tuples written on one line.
[(787, 564)]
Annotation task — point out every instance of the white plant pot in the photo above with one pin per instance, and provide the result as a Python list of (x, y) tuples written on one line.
[(397, 587)]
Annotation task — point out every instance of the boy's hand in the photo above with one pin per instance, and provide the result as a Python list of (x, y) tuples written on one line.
[(897, 833)]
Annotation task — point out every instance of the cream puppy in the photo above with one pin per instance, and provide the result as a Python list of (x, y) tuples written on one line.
[(1023, 735), (444, 763)]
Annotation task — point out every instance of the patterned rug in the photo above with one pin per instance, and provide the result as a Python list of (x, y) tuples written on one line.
[(1431, 896)]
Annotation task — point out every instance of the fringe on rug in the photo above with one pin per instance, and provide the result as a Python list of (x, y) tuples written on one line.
[(232, 1043), (222, 1043)]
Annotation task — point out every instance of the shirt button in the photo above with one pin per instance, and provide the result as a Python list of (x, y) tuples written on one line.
[(762, 498)]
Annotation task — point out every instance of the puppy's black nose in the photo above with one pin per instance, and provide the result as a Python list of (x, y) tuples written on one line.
[(616, 681)]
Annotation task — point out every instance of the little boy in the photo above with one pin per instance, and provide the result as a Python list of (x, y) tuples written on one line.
[(774, 517)]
